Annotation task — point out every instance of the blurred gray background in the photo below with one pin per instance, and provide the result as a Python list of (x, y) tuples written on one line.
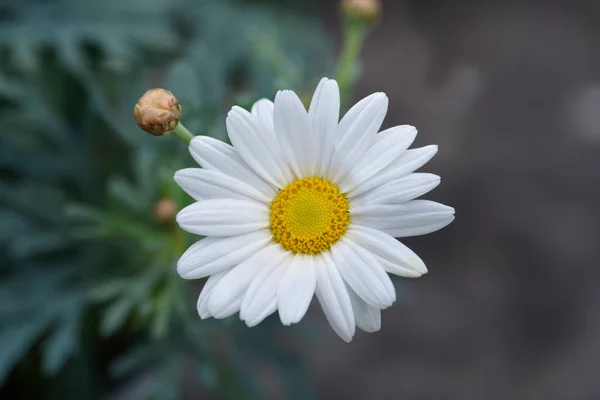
[(510, 90)]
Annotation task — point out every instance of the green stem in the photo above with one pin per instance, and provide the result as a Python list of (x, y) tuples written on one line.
[(354, 36), (182, 133)]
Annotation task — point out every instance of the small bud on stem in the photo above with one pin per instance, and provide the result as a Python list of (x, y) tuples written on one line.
[(157, 112), (359, 17), (367, 11), (165, 211)]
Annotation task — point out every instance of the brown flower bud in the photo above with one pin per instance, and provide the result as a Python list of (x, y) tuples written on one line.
[(361, 10), (165, 211), (157, 112)]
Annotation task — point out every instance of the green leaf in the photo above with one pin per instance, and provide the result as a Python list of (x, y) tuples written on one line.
[(61, 344), (182, 81), (125, 194), (135, 358), (162, 315), (115, 316), (16, 340), (119, 28), (108, 290), (26, 246)]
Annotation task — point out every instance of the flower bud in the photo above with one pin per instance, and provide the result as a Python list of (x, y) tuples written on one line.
[(165, 211), (157, 112), (361, 10)]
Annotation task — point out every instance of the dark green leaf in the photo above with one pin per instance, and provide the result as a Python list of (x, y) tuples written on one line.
[(61, 344)]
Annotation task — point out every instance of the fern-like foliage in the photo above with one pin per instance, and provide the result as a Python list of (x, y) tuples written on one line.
[(119, 28), (83, 261)]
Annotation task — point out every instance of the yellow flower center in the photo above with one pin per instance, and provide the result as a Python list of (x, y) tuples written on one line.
[(309, 215)]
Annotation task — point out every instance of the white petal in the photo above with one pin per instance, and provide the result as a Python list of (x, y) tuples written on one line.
[(417, 217), (317, 93), (215, 254), (207, 290), (324, 114), (333, 296), (359, 136), (257, 147), (399, 190), (203, 184), (263, 110), (213, 154), (294, 133), (408, 162), (354, 112), (393, 256), (368, 318), (296, 289), (223, 217), (266, 311), (388, 146), (260, 300), (363, 274), (229, 292)]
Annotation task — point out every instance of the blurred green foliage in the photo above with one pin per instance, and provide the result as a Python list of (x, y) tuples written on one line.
[(90, 304)]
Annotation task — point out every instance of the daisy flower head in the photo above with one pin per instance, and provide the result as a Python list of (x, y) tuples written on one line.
[(305, 204)]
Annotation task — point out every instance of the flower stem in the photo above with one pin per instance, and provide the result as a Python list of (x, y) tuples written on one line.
[(182, 133), (348, 70)]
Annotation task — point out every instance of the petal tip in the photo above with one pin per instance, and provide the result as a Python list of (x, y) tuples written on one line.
[(203, 312), (179, 216), (196, 140), (180, 268), (331, 82), (380, 96), (178, 176)]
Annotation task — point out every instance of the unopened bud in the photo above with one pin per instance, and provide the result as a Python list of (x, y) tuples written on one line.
[(165, 211), (157, 112), (361, 10)]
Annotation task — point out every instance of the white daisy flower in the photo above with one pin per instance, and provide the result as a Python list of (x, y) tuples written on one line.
[(303, 204)]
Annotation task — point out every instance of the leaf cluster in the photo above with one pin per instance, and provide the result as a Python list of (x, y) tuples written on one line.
[(88, 289)]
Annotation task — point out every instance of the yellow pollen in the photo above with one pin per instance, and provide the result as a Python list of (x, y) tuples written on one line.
[(309, 215)]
